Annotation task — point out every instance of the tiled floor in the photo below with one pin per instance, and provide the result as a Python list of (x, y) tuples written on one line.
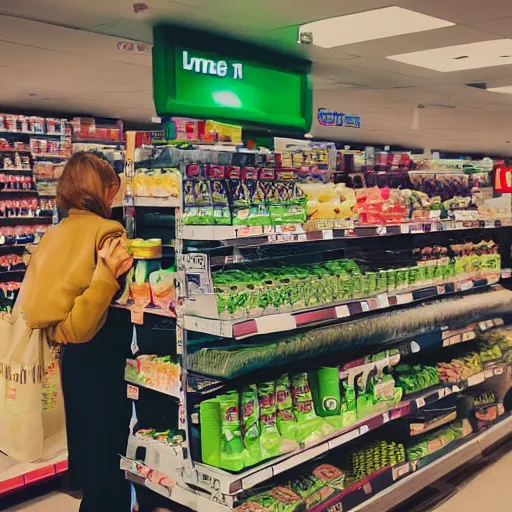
[(488, 491), (53, 502)]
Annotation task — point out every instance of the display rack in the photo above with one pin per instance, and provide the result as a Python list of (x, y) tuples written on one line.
[(175, 471), (20, 475)]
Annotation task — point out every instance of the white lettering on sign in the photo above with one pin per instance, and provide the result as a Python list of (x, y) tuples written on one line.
[(211, 67)]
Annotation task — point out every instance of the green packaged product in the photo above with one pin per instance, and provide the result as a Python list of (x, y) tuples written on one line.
[(371, 280), (421, 274), (221, 444), (413, 277), (270, 439), (357, 285), (364, 400), (251, 426), (391, 273), (311, 489), (286, 422), (348, 405), (431, 442), (401, 278), (325, 387), (232, 449), (431, 272), (382, 281), (309, 426)]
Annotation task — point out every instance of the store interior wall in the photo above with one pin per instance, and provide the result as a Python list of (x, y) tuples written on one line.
[(63, 56)]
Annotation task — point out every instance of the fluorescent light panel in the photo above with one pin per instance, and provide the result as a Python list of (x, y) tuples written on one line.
[(370, 25), (485, 54)]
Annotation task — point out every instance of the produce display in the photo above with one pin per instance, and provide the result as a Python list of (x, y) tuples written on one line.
[(381, 328), (501, 338), (261, 421), (147, 284), (167, 437), (11, 263), (489, 352), (460, 369), (298, 495), (154, 372), (273, 413), (416, 378), (325, 481), (431, 442), (297, 187), (263, 290), (156, 183), (365, 461)]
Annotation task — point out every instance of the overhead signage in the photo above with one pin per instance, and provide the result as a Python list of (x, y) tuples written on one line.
[(328, 117), (205, 76), (212, 67)]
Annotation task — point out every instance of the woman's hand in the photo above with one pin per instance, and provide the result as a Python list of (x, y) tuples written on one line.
[(116, 256)]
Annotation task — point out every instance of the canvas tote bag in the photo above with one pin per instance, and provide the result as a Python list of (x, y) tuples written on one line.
[(32, 421)]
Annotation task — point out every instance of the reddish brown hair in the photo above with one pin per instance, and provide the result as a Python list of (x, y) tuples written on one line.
[(84, 183)]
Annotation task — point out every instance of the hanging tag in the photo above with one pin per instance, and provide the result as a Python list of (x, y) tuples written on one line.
[(132, 392), (134, 346)]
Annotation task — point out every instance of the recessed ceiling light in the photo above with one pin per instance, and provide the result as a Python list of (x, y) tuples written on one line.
[(461, 57), (367, 26)]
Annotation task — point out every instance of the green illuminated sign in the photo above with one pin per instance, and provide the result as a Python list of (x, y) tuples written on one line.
[(204, 76)]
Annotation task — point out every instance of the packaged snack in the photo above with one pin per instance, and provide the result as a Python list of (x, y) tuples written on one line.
[(325, 388), (270, 439), (286, 422), (277, 499), (251, 426), (231, 447), (309, 426)]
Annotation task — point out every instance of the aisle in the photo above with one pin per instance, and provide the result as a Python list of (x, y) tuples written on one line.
[(52, 502), (488, 490)]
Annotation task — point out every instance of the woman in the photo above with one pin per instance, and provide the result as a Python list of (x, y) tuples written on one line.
[(70, 283)]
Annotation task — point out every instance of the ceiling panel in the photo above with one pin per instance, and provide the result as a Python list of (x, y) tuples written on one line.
[(461, 11), (38, 66), (64, 40)]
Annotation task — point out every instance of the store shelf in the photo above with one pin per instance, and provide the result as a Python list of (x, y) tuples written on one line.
[(281, 322), (20, 475), (26, 221), (149, 311), (18, 192), (49, 156), (99, 142), (470, 451), (12, 150), (162, 202), (32, 134), (294, 233), (133, 394), (231, 484), (16, 171), (141, 475), (5, 249)]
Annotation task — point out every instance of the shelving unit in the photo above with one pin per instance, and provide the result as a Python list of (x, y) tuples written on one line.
[(176, 471)]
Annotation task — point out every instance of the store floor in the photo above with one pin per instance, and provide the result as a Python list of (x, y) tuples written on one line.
[(484, 488)]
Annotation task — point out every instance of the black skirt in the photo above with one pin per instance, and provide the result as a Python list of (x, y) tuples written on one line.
[(98, 415)]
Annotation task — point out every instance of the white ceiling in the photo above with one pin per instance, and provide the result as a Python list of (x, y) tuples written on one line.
[(65, 52)]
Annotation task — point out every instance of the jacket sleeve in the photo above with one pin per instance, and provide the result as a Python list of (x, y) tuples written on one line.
[(89, 310)]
